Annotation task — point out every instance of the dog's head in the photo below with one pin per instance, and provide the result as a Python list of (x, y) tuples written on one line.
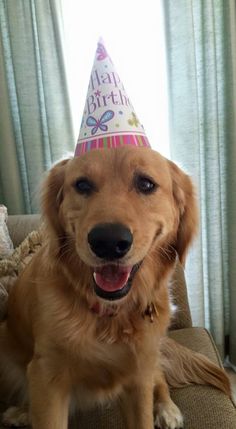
[(114, 209)]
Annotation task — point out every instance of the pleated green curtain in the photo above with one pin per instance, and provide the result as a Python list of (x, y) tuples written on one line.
[(35, 121), (201, 57)]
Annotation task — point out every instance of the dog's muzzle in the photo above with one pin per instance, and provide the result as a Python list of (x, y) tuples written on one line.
[(110, 242)]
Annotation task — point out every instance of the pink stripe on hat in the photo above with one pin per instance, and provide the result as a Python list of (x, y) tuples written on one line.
[(113, 142)]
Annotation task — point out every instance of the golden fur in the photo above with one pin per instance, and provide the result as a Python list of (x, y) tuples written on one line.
[(52, 333)]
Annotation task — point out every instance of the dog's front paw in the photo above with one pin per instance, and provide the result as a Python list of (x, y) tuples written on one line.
[(167, 416), (15, 417)]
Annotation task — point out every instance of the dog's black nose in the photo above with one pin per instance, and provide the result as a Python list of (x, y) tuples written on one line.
[(110, 240)]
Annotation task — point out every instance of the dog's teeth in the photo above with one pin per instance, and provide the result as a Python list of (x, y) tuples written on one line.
[(95, 276)]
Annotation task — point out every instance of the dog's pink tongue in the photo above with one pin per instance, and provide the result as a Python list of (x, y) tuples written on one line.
[(111, 277)]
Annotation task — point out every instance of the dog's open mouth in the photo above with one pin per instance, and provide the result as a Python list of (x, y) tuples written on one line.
[(112, 281)]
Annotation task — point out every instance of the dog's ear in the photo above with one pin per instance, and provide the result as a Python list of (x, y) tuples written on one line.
[(184, 195), (52, 196)]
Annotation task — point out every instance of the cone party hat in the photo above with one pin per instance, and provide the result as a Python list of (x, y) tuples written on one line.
[(109, 119)]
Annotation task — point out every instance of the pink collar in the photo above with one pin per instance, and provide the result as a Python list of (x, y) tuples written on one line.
[(112, 310), (109, 311)]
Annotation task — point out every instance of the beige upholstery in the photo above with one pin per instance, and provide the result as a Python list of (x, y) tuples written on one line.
[(203, 407), (20, 226), (182, 316)]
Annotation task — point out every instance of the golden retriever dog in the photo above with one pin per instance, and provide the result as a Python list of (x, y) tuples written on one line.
[(87, 319)]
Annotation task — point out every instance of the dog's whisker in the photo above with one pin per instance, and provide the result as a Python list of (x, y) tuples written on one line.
[(165, 251), (61, 238), (66, 251)]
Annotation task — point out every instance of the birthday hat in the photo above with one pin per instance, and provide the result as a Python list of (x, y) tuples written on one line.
[(109, 119)]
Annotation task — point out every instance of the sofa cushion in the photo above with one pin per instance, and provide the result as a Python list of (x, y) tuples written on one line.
[(205, 407)]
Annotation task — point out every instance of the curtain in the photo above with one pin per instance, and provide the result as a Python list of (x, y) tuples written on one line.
[(35, 122), (201, 60)]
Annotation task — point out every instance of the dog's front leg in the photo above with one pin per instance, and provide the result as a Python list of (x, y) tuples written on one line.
[(166, 413), (137, 406), (48, 394)]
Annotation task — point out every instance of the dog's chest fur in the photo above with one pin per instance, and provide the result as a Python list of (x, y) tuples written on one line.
[(100, 371), (101, 360)]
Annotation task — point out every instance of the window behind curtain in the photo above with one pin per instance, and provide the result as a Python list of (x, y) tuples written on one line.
[(134, 36)]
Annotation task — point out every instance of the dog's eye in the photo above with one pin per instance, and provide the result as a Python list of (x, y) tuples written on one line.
[(145, 184), (84, 186)]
